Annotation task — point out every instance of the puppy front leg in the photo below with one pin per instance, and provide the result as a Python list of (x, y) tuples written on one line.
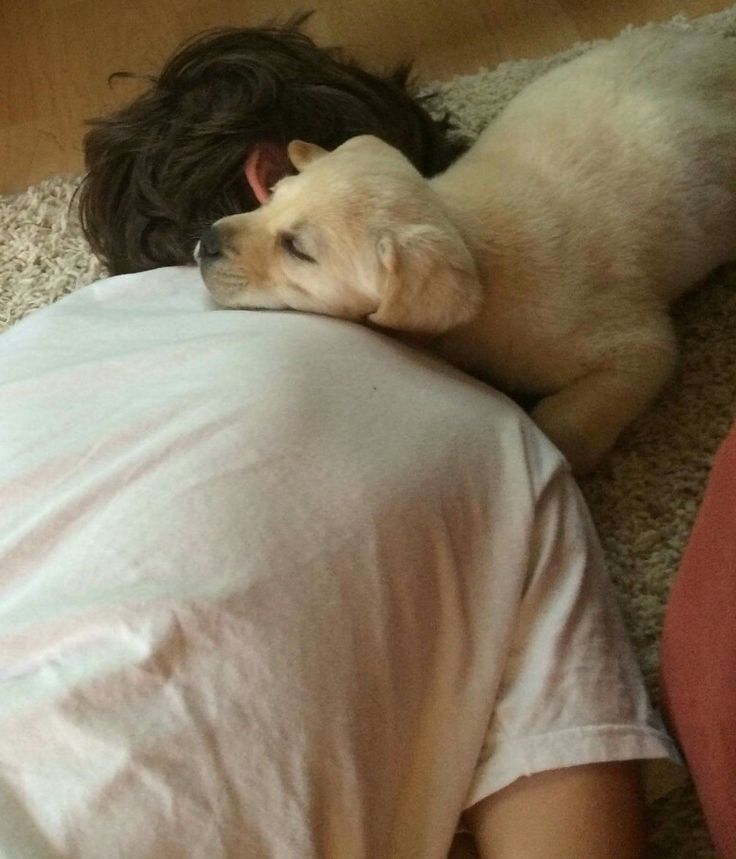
[(585, 418)]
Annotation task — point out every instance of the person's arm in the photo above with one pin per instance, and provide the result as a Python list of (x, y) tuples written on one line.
[(582, 812), (572, 690)]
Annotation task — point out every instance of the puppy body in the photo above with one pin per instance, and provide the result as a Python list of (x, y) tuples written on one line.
[(603, 191), (546, 258)]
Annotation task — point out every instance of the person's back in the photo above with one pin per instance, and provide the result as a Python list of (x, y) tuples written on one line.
[(277, 585)]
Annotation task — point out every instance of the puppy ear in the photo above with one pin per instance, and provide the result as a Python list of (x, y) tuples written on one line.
[(431, 283), (302, 153)]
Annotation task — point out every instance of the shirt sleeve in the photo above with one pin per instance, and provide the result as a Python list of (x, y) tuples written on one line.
[(572, 692)]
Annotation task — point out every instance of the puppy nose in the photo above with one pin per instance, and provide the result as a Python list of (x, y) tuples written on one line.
[(210, 243)]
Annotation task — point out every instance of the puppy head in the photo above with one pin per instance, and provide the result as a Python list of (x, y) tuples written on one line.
[(357, 233)]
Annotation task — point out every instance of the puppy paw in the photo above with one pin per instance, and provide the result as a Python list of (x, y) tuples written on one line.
[(582, 443)]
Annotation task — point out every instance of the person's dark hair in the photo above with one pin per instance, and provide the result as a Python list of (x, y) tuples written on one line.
[(172, 161)]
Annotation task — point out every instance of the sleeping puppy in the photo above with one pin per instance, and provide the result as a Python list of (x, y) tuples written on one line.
[(546, 258)]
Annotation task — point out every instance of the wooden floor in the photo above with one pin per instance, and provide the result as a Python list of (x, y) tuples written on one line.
[(56, 55)]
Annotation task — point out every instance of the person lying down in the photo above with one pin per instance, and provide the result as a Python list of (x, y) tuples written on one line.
[(275, 585)]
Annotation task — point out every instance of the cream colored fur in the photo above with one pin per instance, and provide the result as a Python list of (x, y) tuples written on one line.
[(544, 260)]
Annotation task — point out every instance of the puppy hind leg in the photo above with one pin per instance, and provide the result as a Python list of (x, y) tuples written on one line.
[(586, 418)]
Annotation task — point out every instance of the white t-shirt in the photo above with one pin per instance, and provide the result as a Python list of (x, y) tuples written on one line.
[(275, 585)]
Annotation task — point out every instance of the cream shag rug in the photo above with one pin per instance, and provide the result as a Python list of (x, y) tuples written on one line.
[(644, 500)]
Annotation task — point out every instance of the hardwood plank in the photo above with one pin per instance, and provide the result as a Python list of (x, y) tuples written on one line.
[(56, 55)]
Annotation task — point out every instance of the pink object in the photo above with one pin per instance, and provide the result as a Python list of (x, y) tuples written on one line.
[(264, 166), (699, 652)]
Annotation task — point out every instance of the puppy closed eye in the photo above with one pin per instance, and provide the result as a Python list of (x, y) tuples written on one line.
[(290, 243)]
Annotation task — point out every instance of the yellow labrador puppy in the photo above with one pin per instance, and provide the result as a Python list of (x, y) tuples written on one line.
[(546, 258)]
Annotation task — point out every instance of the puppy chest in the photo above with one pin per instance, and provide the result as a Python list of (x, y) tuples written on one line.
[(519, 349)]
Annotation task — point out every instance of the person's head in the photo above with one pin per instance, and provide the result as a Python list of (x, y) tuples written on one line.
[(208, 137)]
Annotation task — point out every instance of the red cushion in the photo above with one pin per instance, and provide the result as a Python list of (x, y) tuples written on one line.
[(699, 652)]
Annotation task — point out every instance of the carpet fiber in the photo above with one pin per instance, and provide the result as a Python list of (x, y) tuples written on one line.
[(645, 498)]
